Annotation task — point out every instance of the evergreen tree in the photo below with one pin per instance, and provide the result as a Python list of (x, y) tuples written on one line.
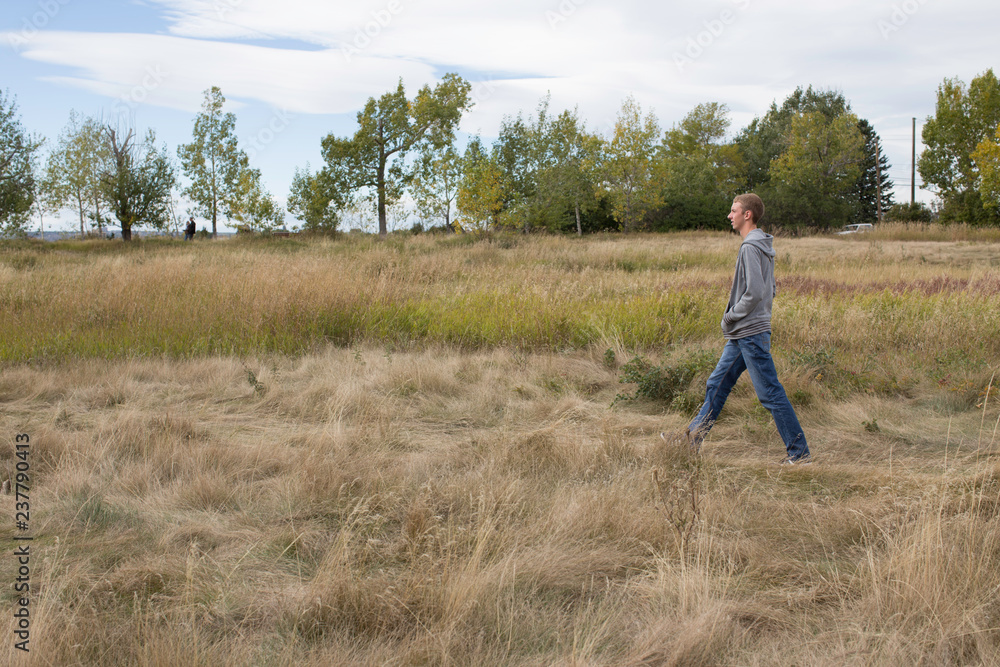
[(873, 174)]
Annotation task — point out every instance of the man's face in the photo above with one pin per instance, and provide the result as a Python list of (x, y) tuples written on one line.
[(737, 216)]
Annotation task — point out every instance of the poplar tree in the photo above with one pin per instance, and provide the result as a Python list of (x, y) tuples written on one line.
[(964, 117), (571, 176), (987, 158), (521, 152), (373, 160), (767, 137), (436, 175), (214, 162), (813, 181), (137, 180), (480, 191), (699, 172), (801, 158), (254, 207), (629, 172), (18, 156), (311, 200), (74, 168)]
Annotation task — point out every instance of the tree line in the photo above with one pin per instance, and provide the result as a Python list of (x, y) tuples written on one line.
[(816, 164)]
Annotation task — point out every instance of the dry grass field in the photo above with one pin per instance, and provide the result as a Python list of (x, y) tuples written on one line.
[(411, 453)]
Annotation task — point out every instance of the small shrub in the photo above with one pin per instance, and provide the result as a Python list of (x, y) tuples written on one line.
[(258, 387), (687, 402), (662, 383), (800, 398), (915, 212)]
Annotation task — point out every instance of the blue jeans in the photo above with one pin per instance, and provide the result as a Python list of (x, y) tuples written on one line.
[(752, 354)]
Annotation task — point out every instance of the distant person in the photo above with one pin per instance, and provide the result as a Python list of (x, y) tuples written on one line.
[(746, 325), (190, 229)]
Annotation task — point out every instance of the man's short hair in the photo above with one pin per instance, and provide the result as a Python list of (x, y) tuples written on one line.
[(753, 203)]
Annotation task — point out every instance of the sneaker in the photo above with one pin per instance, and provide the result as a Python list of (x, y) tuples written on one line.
[(800, 461)]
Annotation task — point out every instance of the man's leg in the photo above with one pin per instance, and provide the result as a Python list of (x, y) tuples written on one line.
[(757, 355), (731, 365)]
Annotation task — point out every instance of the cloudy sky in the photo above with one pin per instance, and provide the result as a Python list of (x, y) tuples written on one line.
[(296, 70)]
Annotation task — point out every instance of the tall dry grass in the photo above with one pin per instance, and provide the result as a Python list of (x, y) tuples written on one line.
[(487, 508), (634, 293), (433, 501), (922, 231)]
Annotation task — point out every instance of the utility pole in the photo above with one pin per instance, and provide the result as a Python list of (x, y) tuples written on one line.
[(878, 180), (913, 166), (41, 213)]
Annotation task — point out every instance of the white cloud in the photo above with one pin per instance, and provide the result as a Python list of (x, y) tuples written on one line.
[(315, 57), (174, 71), (590, 53)]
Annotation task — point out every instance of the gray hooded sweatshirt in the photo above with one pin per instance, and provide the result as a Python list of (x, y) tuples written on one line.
[(749, 309)]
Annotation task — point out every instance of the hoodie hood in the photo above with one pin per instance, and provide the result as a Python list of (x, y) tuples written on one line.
[(762, 241)]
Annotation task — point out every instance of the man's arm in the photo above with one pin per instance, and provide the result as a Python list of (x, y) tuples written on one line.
[(753, 276)]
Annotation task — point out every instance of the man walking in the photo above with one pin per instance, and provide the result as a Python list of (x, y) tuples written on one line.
[(746, 326)]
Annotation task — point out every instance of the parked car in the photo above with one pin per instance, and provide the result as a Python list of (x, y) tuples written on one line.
[(856, 229)]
